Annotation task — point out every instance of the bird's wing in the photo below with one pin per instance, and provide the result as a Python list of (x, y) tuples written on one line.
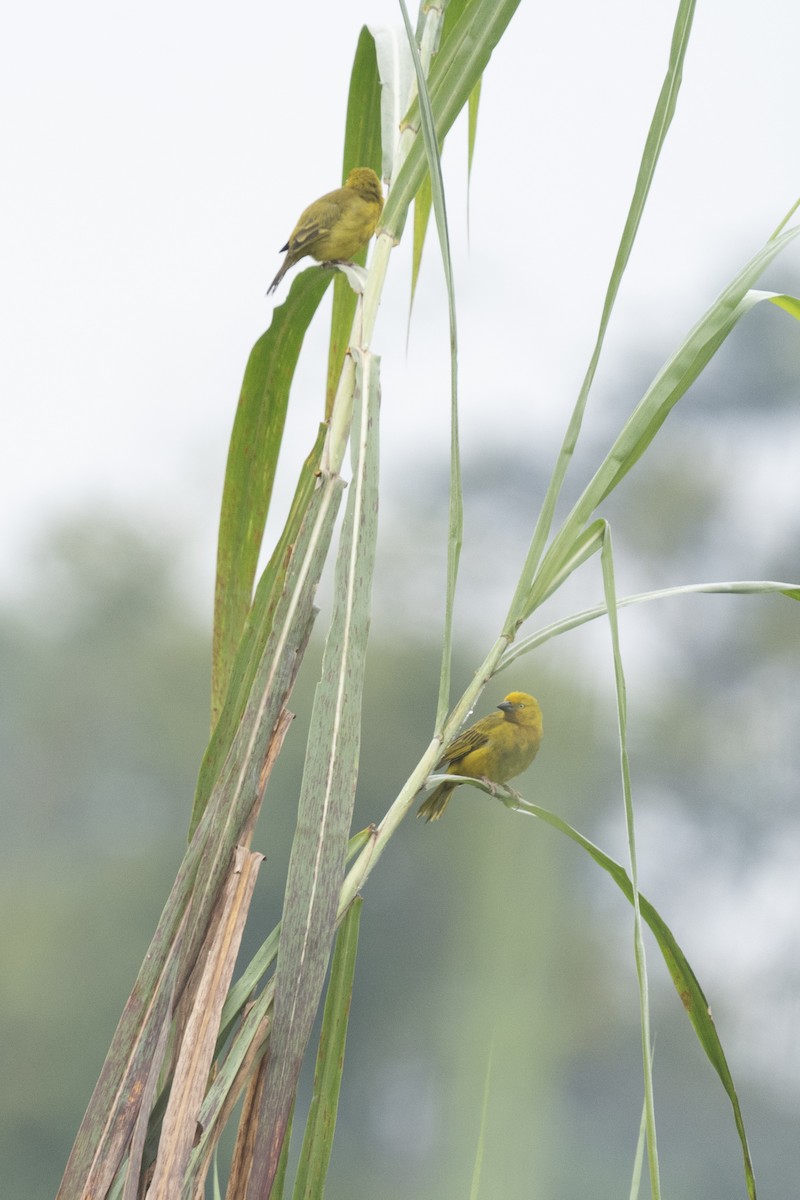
[(313, 226), (471, 739)]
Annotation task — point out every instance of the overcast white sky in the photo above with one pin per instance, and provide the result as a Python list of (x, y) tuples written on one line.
[(156, 156)]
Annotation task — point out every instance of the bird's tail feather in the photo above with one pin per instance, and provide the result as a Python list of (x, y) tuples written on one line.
[(284, 268), (433, 807)]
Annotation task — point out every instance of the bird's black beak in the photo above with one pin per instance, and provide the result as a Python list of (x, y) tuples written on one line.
[(506, 707)]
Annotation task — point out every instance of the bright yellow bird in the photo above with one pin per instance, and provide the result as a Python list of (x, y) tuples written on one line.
[(338, 225), (496, 748)]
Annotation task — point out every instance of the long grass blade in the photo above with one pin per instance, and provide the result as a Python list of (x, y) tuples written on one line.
[(132, 1187), (197, 1044), (459, 64), (683, 977), (253, 640), (316, 865), (250, 471), (610, 590), (659, 127), (669, 386), (456, 509)]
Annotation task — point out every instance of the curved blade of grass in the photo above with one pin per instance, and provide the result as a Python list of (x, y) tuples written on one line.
[(254, 635), (671, 383), (362, 148), (317, 860), (742, 587), (659, 127), (610, 590), (315, 1155), (789, 304), (456, 510), (683, 977), (250, 471)]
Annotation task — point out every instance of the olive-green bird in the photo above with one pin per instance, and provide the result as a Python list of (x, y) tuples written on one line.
[(496, 748), (338, 225)]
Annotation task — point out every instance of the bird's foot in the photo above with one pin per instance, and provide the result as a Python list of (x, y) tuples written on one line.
[(356, 276)]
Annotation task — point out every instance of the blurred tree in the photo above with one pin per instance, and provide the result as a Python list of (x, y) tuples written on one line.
[(103, 717)]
